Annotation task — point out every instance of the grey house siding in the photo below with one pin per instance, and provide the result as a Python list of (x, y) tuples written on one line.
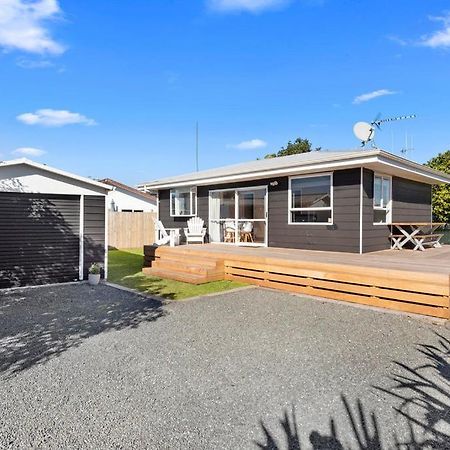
[(343, 235), (94, 231), (39, 239), (375, 237), (411, 202)]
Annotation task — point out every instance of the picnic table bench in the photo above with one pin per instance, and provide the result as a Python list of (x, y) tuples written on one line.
[(419, 234)]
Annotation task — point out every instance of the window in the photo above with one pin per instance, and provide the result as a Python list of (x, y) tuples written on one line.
[(382, 199), (183, 202), (311, 199)]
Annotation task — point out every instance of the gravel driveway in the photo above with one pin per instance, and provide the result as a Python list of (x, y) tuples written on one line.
[(84, 367)]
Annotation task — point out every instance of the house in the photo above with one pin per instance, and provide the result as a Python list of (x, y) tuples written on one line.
[(53, 224), (331, 201), (125, 198)]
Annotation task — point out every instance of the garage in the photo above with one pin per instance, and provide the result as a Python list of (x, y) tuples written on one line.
[(53, 225)]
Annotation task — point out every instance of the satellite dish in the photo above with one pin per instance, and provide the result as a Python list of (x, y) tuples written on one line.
[(364, 131)]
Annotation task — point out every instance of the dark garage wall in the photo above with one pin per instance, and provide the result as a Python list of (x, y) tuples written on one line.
[(94, 231), (39, 238)]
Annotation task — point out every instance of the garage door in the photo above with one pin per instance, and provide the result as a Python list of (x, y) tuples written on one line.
[(39, 239)]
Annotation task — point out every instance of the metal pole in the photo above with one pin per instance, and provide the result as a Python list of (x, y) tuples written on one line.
[(196, 146)]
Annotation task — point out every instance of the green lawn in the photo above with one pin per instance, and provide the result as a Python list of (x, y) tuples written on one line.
[(125, 267)]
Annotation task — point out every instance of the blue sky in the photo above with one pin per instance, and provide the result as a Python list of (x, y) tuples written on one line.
[(114, 89)]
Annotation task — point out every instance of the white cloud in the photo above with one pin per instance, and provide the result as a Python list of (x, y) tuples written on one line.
[(34, 64), (371, 95), (398, 40), (22, 26), (252, 144), (440, 38), (54, 118), (253, 6), (29, 151)]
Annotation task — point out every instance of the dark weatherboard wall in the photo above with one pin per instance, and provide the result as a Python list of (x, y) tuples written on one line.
[(411, 203), (39, 238), (94, 231), (343, 235)]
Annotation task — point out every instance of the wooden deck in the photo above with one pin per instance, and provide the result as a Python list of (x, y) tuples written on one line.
[(415, 282)]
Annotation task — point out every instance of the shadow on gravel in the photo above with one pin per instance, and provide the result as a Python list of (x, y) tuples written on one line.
[(41, 323), (424, 395)]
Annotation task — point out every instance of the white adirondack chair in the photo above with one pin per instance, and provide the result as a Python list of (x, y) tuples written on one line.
[(166, 236), (195, 231)]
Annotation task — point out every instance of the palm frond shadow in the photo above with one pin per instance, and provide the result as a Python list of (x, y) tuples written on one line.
[(364, 426), (423, 393)]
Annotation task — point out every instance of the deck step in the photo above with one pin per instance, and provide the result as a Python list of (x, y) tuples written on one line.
[(209, 263), (188, 267), (191, 251), (192, 278)]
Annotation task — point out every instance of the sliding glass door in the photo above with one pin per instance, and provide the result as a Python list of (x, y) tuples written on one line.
[(238, 216)]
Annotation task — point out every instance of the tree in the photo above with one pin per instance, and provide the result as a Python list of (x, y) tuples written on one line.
[(441, 194), (300, 145)]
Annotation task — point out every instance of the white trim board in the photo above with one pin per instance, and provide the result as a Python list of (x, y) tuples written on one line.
[(361, 209), (105, 267), (81, 237)]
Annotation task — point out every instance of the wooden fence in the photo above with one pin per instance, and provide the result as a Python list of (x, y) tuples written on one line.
[(131, 229)]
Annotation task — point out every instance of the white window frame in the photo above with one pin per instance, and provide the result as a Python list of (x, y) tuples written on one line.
[(291, 209), (192, 199), (236, 214), (386, 207)]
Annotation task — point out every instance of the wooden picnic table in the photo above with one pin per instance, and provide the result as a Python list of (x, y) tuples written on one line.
[(420, 234)]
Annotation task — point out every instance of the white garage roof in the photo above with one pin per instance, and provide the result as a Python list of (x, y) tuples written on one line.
[(16, 166)]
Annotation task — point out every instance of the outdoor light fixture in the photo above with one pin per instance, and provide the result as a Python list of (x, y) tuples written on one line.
[(274, 183)]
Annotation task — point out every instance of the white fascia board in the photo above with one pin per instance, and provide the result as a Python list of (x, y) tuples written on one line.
[(427, 175), (46, 168), (297, 170), (379, 160)]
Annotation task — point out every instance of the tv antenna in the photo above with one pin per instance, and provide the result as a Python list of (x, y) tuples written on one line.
[(365, 131), (409, 147)]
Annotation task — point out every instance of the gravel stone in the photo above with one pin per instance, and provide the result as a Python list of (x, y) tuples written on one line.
[(98, 367)]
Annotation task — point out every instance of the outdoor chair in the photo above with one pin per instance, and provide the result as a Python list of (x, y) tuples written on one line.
[(246, 232), (166, 235), (195, 231), (228, 231)]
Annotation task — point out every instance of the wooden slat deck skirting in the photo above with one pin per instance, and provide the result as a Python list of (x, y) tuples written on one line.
[(388, 279)]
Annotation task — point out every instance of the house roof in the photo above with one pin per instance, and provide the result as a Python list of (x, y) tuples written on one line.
[(131, 190), (44, 167), (315, 161)]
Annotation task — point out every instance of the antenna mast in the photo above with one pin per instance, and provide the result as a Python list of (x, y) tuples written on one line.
[(365, 131), (196, 146)]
